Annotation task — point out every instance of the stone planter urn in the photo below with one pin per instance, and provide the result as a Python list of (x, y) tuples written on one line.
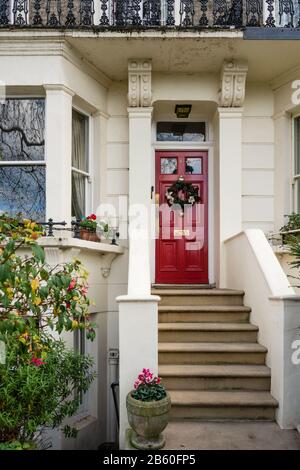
[(148, 419)]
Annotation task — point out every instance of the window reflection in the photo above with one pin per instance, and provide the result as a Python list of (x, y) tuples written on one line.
[(168, 166), (193, 166)]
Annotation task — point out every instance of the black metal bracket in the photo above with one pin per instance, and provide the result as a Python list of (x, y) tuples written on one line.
[(76, 227), (51, 224)]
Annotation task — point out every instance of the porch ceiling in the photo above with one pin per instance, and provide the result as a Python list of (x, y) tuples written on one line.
[(267, 59)]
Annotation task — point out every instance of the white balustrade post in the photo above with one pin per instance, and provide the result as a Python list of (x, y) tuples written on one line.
[(58, 152)]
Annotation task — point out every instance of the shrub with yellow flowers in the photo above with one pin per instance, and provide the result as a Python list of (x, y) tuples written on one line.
[(40, 381)]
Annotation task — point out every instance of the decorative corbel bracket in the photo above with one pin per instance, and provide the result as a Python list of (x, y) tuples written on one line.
[(107, 259), (139, 83), (233, 83)]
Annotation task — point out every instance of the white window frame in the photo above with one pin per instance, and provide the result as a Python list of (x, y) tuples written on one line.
[(87, 174), (295, 177), (84, 350), (31, 162)]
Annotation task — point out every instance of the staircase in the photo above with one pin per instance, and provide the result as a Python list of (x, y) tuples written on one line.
[(209, 358)]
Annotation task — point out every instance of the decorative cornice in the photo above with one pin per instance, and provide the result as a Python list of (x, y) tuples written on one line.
[(51, 44), (139, 83), (140, 112), (233, 81), (58, 87)]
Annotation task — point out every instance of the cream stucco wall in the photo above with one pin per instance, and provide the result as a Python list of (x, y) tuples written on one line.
[(258, 158)]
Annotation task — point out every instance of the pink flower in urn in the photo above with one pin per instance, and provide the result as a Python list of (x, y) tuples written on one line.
[(149, 378), (137, 383), (147, 387)]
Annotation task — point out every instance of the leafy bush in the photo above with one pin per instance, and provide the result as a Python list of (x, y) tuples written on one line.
[(41, 381), (292, 224), (148, 387), (17, 445), (35, 296), (294, 250), (41, 393), (17, 227)]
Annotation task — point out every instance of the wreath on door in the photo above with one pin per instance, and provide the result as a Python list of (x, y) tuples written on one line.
[(182, 193)]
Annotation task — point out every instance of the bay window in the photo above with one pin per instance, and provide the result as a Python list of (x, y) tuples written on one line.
[(80, 164), (22, 157)]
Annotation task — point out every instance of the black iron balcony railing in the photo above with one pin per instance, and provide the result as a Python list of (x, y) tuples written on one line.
[(134, 14)]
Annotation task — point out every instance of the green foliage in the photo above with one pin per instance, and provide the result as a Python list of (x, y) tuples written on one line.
[(19, 228), (294, 250), (293, 223), (41, 395), (55, 297), (17, 445), (89, 223), (152, 392), (41, 381), (147, 387)]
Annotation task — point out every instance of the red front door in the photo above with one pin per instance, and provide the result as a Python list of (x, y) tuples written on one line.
[(182, 241)]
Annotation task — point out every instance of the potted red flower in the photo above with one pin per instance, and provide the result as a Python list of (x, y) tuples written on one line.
[(148, 407), (88, 226)]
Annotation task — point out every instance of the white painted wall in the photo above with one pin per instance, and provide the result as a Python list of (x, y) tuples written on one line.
[(258, 158), (275, 310)]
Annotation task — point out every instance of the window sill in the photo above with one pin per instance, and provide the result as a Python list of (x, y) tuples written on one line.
[(85, 245)]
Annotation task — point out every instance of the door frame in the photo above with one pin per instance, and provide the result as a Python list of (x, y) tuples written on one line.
[(186, 146)]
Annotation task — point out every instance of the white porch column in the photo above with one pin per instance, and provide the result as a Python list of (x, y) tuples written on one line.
[(140, 154), (230, 111), (58, 151), (230, 170), (138, 335), (230, 179)]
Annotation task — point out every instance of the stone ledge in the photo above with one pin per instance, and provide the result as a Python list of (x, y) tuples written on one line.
[(69, 243)]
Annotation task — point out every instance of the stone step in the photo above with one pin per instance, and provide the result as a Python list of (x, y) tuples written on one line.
[(183, 286), (207, 332), (207, 313), (215, 377), (179, 297), (228, 404), (211, 353)]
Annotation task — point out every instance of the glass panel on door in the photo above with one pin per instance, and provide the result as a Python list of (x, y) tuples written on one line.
[(193, 166), (168, 166)]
